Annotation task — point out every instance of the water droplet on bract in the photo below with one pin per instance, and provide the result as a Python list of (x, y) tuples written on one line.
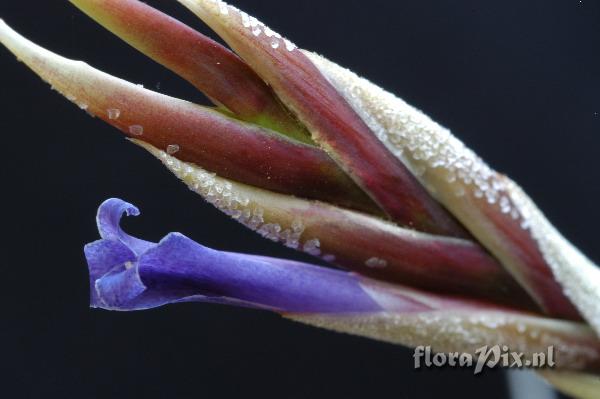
[(245, 20), (376, 263), (275, 44), (329, 258), (289, 45), (313, 247), (172, 149), (113, 113), (136, 130)]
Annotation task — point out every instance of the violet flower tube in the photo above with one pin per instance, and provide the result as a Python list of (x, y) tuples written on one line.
[(127, 274), (433, 247)]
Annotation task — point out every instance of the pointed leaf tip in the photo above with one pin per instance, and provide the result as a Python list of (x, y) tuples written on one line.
[(206, 64), (224, 145)]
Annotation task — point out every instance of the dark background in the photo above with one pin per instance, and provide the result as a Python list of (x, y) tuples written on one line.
[(518, 81)]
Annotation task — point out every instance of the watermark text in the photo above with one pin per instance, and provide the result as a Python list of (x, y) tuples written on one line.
[(487, 356)]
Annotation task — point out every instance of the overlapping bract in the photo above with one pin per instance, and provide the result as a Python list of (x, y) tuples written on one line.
[(310, 155)]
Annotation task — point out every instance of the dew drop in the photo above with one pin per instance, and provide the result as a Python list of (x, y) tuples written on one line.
[(289, 45), (313, 247), (329, 258), (113, 113), (172, 149), (275, 44), (376, 263), (245, 20), (136, 130), (460, 191)]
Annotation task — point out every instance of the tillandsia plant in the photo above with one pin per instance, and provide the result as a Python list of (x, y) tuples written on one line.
[(428, 245)]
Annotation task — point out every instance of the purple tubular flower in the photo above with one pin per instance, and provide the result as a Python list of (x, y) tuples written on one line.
[(127, 273), (444, 250)]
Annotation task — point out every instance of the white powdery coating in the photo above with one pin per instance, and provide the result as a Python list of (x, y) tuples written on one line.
[(577, 385), (429, 150), (579, 277), (243, 203), (465, 332), (256, 27), (424, 146)]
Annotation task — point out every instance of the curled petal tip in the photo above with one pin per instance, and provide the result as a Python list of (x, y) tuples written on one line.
[(407, 164), (179, 270)]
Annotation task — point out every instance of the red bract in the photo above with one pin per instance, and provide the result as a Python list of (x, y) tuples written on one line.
[(332, 122), (210, 67), (310, 155)]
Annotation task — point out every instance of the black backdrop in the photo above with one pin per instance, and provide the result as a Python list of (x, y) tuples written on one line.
[(518, 81)]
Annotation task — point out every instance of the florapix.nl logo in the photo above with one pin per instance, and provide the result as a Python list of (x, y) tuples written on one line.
[(484, 357)]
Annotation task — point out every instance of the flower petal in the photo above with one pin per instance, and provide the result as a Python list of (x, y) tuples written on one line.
[(102, 257), (109, 215), (210, 67), (178, 269)]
